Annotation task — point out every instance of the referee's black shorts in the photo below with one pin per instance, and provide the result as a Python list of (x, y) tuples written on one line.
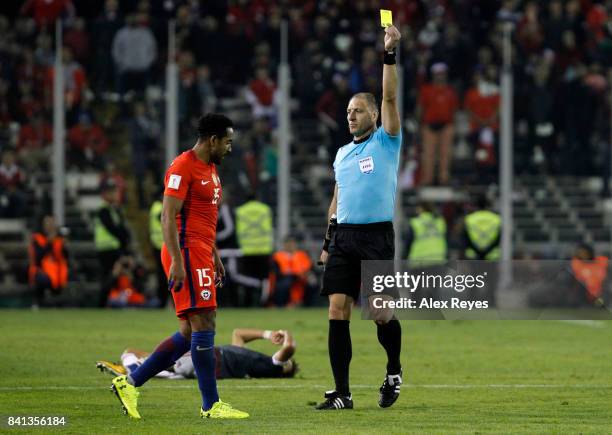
[(350, 245)]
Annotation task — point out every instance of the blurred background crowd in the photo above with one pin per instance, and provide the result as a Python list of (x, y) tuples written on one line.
[(228, 52)]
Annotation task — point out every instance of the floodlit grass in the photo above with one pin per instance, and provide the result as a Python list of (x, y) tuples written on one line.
[(460, 377)]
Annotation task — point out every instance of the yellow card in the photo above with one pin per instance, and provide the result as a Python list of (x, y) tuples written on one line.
[(386, 18)]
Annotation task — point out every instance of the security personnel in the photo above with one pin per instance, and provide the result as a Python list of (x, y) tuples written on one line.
[(482, 233), (157, 239), (111, 234), (254, 232), (48, 269), (364, 201), (426, 241), (592, 273), (289, 275)]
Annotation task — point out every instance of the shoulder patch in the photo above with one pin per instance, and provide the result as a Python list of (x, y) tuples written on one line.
[(174, 182)]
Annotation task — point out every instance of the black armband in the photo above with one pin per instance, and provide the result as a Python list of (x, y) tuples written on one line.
[(389, 58)]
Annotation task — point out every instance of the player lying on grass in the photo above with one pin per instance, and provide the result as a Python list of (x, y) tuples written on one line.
[(233, 360)]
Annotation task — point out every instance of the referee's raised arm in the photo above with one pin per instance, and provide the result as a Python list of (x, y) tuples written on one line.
[(389, 110)]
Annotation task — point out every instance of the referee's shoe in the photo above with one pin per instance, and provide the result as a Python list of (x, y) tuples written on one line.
[(334, 400), (390, 390)]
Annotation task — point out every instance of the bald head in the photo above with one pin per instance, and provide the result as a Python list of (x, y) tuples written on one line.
[(370, 100)]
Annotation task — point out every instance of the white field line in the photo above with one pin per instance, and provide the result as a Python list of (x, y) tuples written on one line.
[(589, 323), (311, 386)]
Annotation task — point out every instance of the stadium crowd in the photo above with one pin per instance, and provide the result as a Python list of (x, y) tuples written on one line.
[(450, 54)]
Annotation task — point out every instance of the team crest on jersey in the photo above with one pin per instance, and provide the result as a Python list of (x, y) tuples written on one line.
[(205, 294), (366, 165)]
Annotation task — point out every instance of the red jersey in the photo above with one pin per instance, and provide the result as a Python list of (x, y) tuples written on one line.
[(198, 185), (439, 103)]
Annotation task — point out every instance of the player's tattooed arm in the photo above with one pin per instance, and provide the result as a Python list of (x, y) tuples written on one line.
[(171, 207)]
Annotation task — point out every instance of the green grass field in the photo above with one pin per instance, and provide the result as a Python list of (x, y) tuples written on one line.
[(460, 377)]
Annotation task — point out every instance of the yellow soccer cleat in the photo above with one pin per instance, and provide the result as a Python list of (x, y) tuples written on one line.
[(112, 368), (222, 410), (127, 395)]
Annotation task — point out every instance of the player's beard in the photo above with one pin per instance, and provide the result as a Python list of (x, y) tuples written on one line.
[(215, 159)]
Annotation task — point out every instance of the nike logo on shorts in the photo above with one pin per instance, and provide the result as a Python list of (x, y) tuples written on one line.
[(203, 348)]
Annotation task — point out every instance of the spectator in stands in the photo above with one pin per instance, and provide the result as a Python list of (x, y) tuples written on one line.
[(134, 51), (438, 104), (331, 110), (188, 97), (206, 90), (111, 235), (112, 174), (106, 25), (124, 284), (45, 12), (77, 39), (75, 82), (554, 25), (255, 141), (291, 278), (34, 145), (144, 137), (482, 104), (87, 144), (12, 185), (255, 234), (48, 268), (261, 95), (530, 33), (541, 116)]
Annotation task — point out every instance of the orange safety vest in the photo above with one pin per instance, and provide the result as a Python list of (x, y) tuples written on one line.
[(54, 263), (591, 274), (297, 264), (125, 289)]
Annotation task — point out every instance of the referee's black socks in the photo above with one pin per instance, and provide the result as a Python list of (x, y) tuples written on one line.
[(340, 353), (390, 337)]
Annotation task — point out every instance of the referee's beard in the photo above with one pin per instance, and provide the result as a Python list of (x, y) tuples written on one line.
[(365, 131)]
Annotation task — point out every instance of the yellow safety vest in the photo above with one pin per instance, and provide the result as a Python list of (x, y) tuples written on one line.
[(104, 240), (483, 227), (254, 228), (429, 243), (155, 227)]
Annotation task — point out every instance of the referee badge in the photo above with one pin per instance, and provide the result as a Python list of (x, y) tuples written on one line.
[(366, 165)]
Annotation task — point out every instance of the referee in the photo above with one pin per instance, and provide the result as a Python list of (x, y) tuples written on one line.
[(364, 201)]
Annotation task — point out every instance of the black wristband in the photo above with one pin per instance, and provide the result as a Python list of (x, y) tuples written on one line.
[(389, 58), (331, 228), (326, 245)]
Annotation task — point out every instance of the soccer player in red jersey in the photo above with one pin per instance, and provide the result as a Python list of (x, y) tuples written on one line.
[(194, 269)]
